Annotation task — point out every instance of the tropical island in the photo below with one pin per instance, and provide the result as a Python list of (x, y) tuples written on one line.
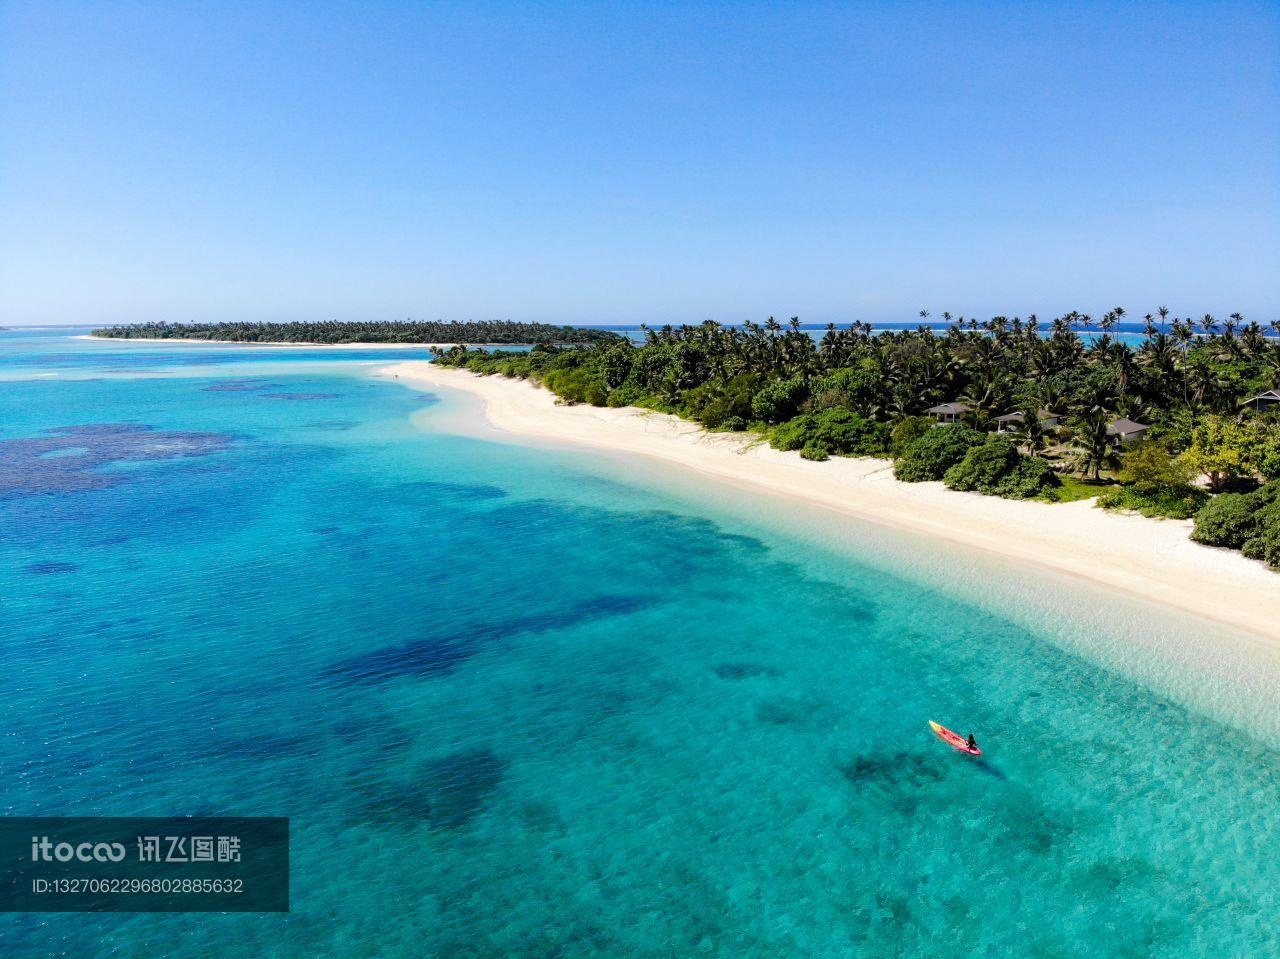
[(1182, 425), (337, 333)]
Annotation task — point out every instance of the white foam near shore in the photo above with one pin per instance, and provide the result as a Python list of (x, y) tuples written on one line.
[(1153, 559)]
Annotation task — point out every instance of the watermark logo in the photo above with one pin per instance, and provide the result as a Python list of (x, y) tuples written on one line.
[(43, 849), (145, 864)]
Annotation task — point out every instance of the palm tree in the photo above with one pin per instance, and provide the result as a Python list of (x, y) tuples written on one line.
[(1092, 448), (1160, 357), (1033, 433), (985, 397)]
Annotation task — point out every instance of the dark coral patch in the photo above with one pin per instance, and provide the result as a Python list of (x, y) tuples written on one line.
[(49, 568), (783, 712), (744, 671), (70, 458), (432, 656), (891, 770), (339, 426), (375, 733), (446, 793), (461, 491), (444, 651), (241, 386), (300, 396), (269, 746), (461, 784), (748, 543)]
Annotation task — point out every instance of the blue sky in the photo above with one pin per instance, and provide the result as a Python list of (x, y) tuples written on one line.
[(636, 162)]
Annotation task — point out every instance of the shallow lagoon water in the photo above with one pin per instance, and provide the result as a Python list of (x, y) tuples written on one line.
[(522, 701)]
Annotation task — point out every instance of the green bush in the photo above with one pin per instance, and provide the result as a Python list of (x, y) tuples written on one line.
[(1170, 503), (628, 394), (580, 385), (1157, 484), (596, 392), (1221, 449), (1226, 520), (995, 467), (649, 368), (854, 388), (1150, 467), (615, 364), (1033, 476), (569, 385), (930, 456), (984, 466), (1265, 543), (837, 430), (906, 431), (793, 434), (1249, 522), (778, 401), (718, 401), (1266, 454), (816, 450)]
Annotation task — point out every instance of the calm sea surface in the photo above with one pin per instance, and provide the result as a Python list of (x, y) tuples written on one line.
[(521, 701)]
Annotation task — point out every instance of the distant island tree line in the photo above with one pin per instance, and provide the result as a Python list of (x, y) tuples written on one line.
[(1184, 424), (336, 332)]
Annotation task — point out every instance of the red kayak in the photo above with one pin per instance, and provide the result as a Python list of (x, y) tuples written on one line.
[(954, 739)]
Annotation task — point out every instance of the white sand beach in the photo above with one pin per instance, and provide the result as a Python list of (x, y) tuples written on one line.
[(1150, 558)]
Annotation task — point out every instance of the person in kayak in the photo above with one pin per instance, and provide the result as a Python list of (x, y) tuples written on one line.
[(973, 743)]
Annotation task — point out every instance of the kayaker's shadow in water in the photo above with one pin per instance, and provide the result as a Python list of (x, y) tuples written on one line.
[(982, 763)]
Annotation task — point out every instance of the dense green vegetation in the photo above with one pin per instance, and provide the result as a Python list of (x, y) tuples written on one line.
[(930, 456), (1249, 522), (1156, 483), (997, 468), (855, 393), (335, 332)]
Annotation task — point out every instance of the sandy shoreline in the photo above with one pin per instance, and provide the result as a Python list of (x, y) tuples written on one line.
[(1153, 559)]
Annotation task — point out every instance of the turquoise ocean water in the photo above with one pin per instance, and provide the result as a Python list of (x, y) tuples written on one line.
[(522, 701)]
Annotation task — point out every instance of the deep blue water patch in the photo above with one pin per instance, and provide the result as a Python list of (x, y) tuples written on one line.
[(434, 655), (788, 711), (300, 396), (267, 745), (379, 735), (50, 568), (745, 671), (446, 793), (454, 491), (896, 770), (241, 386), (337, 426), (444, 649)]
